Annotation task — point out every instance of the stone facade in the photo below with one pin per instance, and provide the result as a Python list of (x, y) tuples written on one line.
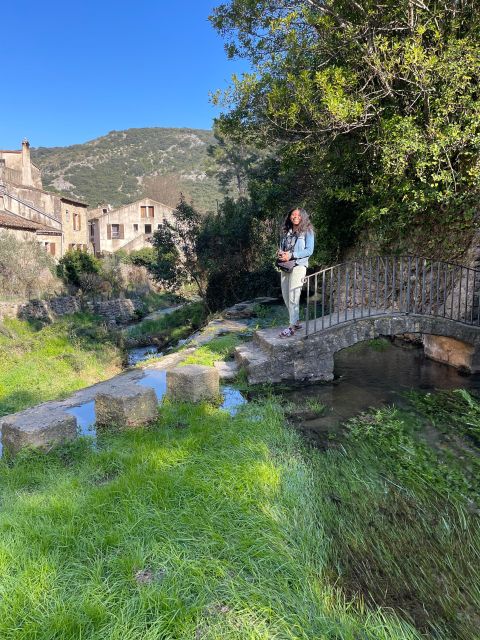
[(128, 228), (61, 222), (75, 224), (17, 167)]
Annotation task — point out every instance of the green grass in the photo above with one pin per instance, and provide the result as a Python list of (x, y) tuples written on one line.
[(50, 362), (169, 328), (221, 348), (403, 520), (213, 526), (154, 301), (316, 406), (204, 526)]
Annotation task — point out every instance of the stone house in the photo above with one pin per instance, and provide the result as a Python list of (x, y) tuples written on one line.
[(58, 222), (129, 227)]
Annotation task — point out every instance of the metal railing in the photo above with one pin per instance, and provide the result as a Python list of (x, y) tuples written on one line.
[(391, 285)]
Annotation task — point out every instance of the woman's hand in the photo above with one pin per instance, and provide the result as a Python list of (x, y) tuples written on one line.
[(283, 256)]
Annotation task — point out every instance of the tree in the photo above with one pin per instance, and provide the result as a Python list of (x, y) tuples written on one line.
[(175, 243), (232, 162), (372, 107)]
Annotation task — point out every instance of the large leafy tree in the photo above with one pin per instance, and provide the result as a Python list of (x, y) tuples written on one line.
[(372, 107), (175, 245)]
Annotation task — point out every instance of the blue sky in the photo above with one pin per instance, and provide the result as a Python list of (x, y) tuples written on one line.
[(74, 71)]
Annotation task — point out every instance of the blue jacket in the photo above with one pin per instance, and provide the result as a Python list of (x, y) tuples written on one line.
[(303, 248)]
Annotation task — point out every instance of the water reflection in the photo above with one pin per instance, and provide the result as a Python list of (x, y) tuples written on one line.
[(139, 354), (85, 415), (368, 377)]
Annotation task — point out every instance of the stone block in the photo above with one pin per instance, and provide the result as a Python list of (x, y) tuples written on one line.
[(226, 370), (128, 406), (193, 383), (449, 350), (40, 428)]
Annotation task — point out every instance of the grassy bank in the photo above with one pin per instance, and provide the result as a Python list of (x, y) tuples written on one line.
[(44, 363), (209, 526), (168, 328)]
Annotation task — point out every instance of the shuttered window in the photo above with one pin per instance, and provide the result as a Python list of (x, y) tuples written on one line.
[(115, 231), (147, 212)]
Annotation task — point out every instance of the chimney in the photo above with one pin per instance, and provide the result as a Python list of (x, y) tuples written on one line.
[(26, 164)]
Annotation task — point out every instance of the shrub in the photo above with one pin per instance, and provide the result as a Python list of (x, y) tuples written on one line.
[(26, 269), (112, 274), (75, 263), (145, 257)]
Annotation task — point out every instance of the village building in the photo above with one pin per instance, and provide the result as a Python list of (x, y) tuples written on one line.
[(26, 210), (129, 227)]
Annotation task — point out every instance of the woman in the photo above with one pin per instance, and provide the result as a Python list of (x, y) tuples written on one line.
[(296, 244)]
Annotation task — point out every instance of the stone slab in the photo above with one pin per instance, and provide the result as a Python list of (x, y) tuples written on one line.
[(39, 428), (226, 370), (193, 383), (129, 406)]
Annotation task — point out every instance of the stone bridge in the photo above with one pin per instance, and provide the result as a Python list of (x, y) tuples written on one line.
[(365, 299)]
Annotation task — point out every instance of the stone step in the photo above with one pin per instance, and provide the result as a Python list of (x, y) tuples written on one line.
[(270, 342), (254, 361)]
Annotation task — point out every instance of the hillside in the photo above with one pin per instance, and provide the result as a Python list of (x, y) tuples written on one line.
[(124, 165)]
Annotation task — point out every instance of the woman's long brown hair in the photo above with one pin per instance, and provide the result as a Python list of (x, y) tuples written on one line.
[(304, 226)]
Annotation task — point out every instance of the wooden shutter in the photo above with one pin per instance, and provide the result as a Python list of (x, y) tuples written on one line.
[(79, 220), (143, 212), (109, 231), (52, 248), (121, 231), (151, 212)]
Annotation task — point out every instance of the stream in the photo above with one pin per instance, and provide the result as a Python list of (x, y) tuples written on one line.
[(371, 376)]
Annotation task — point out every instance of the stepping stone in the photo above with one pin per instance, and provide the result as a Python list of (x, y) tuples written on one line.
[(226, 370), (193, 383), (40, 428), (126, 406)]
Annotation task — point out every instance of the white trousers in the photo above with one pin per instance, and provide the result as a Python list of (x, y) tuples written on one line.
[(291, 288)]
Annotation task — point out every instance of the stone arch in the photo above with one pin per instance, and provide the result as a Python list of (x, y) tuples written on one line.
[(312, 357)]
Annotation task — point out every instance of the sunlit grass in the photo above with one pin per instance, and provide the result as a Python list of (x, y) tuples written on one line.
[(221, 348), (205, 526), (38, 364)]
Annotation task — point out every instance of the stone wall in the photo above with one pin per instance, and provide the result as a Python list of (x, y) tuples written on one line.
[(116, 312), (46, 310)]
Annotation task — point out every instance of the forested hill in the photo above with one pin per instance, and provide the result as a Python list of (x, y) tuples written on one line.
[(124, 165)]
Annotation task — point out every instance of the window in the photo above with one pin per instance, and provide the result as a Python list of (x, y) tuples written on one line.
[(147, 212), (50, 248), (135, 227), (115, 231), (148, 228), (67, 215), (76, 222), (158, 226)]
